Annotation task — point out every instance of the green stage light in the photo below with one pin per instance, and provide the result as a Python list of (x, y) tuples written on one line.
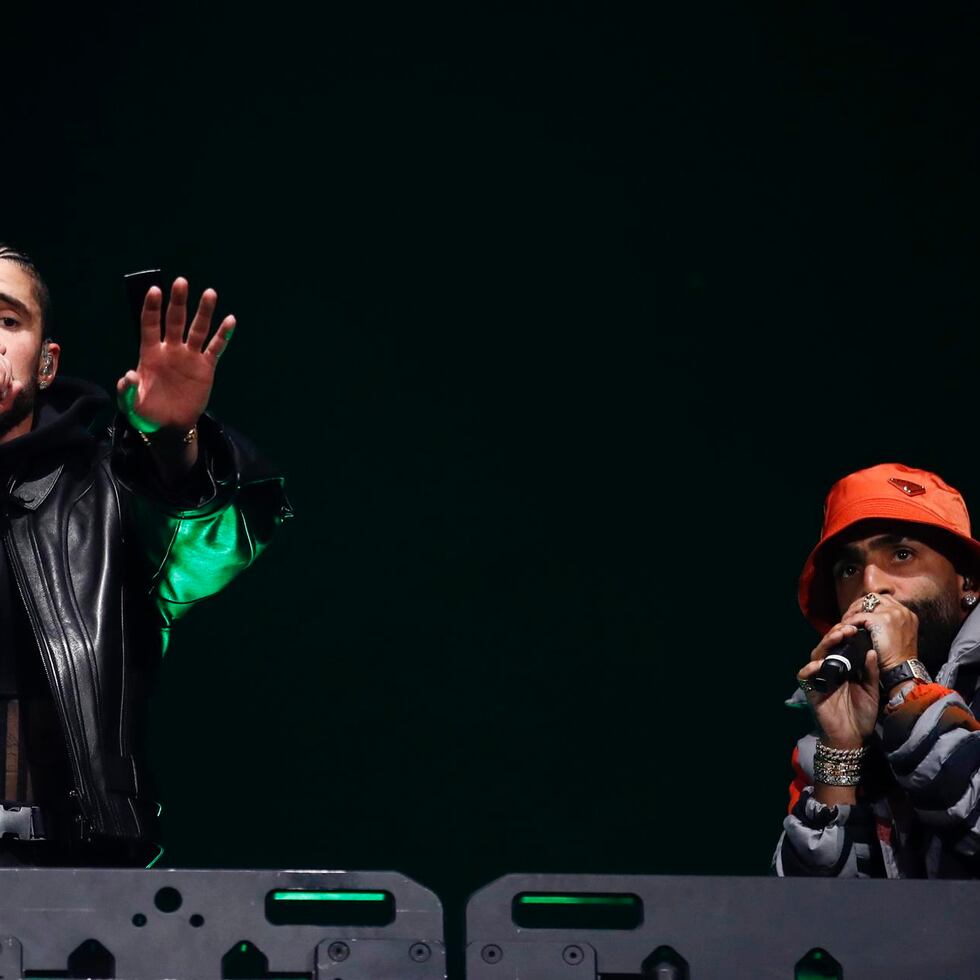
[(311, 907), (577, 910), (329, 896), (577, 900)]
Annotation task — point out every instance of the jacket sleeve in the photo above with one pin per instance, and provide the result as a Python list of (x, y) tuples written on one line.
[(932, 743), (192, 548), (824, 841)]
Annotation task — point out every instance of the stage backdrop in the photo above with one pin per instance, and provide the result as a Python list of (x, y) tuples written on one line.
[(560, 321)]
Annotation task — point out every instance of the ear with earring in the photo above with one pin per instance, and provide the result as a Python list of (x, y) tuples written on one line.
[(970, 599), (47, 365)]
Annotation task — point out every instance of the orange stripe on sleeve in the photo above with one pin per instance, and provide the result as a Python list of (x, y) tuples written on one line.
[(799, 783)]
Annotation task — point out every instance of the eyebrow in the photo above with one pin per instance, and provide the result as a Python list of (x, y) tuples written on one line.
[(850, 552), (7, 300)]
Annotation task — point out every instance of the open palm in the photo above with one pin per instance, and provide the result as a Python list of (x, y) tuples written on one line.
[(171, 385)]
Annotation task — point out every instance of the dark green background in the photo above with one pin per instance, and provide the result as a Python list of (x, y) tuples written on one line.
[(560, 320)]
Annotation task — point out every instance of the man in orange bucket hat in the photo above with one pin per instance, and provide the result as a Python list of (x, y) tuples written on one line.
[(888, 784)]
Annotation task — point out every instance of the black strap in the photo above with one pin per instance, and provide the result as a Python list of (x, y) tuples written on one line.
[(910, 670)]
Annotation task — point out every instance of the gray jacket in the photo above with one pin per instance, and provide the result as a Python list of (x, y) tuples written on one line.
[(918, 814)]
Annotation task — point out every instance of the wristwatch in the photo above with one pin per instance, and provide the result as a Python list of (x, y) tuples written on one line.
[(910, 670)]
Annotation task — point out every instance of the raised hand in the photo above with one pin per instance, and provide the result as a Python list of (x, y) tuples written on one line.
[(171, 385)]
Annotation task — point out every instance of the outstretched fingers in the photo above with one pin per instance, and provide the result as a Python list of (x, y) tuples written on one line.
[(128, 380), (152, 328), (221, 337), (177, 312), (127, 388), (201, 324)]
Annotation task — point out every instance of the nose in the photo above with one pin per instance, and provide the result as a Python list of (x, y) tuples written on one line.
[(876, 580)]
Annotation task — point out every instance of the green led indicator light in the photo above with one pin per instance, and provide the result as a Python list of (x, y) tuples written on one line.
[(577, 900), (329, 896)]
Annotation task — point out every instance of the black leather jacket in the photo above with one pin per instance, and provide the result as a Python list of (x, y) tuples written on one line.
[(104, 563)]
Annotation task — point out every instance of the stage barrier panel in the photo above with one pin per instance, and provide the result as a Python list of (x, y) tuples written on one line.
[(133, 924), (619, 927)]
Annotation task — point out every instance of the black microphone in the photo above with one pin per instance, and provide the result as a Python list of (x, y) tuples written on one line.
[(844, 662)]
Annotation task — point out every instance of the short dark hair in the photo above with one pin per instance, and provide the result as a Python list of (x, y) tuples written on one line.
[(41, 293)]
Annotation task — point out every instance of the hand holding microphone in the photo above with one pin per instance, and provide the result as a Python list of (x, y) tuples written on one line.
[(844, 662), (847, 712)]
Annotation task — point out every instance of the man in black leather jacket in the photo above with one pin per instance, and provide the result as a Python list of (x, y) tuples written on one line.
[(104, 544)]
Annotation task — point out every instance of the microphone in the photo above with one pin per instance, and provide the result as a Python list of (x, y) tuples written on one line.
[(844, 662)]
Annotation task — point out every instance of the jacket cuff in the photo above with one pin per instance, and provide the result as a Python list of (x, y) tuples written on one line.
[(208, 488), (817, 838)]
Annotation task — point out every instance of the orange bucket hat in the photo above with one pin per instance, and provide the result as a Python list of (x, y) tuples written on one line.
[(890, 491)]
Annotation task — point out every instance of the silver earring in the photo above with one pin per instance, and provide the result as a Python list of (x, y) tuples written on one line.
[(46, 365), (969, 600), (968, 584)]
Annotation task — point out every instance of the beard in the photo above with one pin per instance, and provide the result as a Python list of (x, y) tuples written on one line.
[(939, 622), (23, 405)]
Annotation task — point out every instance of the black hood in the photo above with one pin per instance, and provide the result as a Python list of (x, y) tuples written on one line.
[(63, 418)]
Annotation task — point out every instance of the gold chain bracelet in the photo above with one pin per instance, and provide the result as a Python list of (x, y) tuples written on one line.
[(186, 439)]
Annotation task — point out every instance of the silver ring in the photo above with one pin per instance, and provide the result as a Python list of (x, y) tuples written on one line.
[(870, 601), (806, 687)]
